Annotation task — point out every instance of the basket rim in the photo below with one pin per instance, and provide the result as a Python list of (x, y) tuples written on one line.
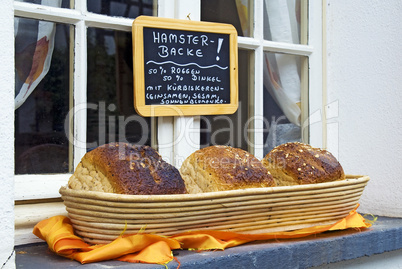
[(350, 180)]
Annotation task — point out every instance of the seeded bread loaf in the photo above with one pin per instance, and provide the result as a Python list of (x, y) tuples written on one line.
[(220, 168), (297, 163), (126, 169)]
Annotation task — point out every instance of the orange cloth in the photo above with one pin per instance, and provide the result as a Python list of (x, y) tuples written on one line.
[(149, 248)]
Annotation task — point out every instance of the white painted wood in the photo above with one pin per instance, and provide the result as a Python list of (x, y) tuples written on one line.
[(186, 129), (188, 9), (80, 93), (24, 236), (248, 43), (166, 8), (186, 138), (278, 47), (7, 253), (80, 5), (165, 138), (30, 214), (29, 187), (325, 101), (27, 216), (295, 49), (107, 22), (49, 13), (72, 16), (257, 146), (165, 132), (316, 107)]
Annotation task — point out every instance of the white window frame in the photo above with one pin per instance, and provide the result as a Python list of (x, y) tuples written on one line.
[(174, 135)]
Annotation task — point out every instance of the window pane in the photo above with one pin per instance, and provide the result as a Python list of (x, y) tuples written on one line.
[(233, 12), (282, 20), (53, 3), (282, 106), (111, 114), (42, 96), (121, 8), (230, 129)]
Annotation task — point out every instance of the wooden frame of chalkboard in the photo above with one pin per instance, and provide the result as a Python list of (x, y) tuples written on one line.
[(184, 67)]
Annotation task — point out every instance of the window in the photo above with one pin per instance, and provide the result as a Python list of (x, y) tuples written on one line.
[(40, 143), (80, 95), (275, 74)]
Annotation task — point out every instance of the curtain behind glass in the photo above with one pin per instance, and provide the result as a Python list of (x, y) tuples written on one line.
[(42, 97)]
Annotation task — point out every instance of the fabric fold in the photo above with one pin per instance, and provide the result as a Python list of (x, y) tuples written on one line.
[(59, 234)]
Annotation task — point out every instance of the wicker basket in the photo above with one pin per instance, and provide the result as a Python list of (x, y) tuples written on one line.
[(101, 217)]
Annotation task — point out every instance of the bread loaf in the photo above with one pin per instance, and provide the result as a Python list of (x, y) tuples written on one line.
[(297, 163), (220, 168), (126, 169)]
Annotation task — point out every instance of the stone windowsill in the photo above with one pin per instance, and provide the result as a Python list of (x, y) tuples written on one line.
[(385, 235)]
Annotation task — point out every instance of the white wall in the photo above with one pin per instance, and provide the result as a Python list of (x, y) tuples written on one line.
[(7, 135), (364, 50)]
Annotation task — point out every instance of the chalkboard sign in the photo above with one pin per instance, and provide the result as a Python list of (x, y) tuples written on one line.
[(184, 67)]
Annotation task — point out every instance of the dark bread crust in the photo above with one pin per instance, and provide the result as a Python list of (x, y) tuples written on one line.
[(132, 169), (296, 163), (219, 168)]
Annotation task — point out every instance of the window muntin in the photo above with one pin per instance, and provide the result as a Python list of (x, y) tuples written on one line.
[(59, 3)]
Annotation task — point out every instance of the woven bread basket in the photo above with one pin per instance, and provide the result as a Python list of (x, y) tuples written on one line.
[(101, 217)]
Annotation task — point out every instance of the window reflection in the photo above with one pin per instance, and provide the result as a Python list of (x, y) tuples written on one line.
[(282, 106), (231, 130), (121, 8), (42, 96), (233, 12), (111, 116), (282, 21)]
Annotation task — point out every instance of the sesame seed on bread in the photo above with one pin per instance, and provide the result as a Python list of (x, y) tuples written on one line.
[(297, 163), (220, 168)]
